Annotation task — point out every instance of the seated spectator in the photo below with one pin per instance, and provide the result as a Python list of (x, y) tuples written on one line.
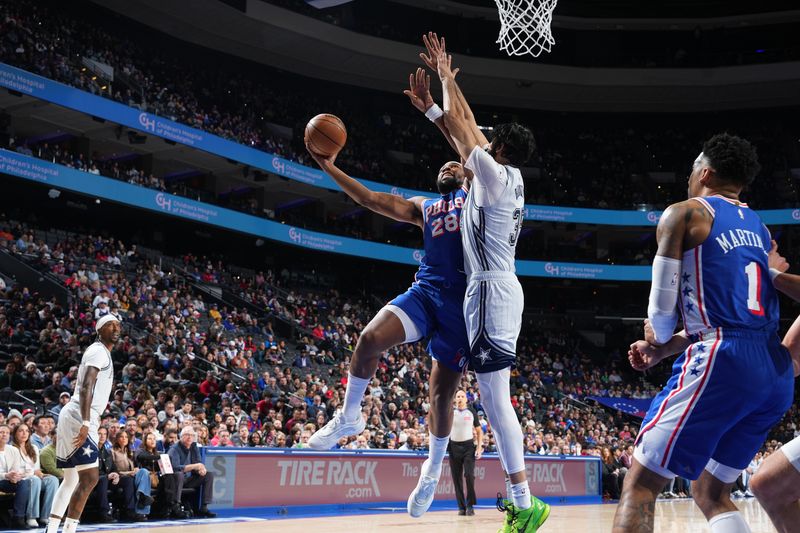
[(47, 458), (12, 481), (11, 378), (122, 455), (42, 427), (147, 458), (254, 440), (43, 486), (611, 475), (110, 480), (185, 457)]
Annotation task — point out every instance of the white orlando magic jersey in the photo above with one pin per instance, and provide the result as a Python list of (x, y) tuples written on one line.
[(492, 216), (97, 356)]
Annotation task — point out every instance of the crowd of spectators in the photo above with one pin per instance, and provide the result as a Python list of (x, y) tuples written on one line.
[(217, 375), (582, 160)]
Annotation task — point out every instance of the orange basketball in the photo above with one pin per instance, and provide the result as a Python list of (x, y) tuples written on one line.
[(325, 134)]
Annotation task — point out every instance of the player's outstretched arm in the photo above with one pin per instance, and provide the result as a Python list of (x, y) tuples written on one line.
[(461, 127), (643, 355), (435, 46), (788, 284), (385, 204), (419, 92)]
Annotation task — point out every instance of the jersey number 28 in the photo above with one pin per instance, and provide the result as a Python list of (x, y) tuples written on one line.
[(440, 225)]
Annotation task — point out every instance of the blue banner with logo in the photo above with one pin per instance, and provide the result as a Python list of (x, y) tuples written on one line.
[(108, 189), (66, 96), (631, 406)]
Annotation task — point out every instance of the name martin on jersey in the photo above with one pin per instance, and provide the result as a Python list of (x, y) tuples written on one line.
[(739, 237)]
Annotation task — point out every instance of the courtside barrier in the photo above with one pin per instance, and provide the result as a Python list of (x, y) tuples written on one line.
[(377, 478)]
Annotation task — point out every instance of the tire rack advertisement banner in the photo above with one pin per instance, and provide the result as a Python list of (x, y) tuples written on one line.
[(308, 478), (63, 177), (57, 93)]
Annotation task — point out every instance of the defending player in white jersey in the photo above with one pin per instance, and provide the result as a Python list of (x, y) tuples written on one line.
[(78, 421), (491, 222)]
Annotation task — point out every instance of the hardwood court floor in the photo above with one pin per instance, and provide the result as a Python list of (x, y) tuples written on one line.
[(671, 517)]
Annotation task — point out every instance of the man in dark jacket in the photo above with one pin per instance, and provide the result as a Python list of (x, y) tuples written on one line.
[(110, 479), (185, 457)]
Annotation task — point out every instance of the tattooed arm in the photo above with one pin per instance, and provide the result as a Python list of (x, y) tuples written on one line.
[(683, 226)]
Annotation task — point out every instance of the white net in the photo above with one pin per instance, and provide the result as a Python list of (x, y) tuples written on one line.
[(525, 26)]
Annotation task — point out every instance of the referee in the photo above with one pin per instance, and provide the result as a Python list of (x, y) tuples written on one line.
[(463, 452)]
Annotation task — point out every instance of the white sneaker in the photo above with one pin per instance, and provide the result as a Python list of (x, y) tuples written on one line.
[(327, 437), (421, 498), (33, 523)]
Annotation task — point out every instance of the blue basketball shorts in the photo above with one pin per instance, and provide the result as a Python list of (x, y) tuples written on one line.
[(435, 311), (726, 392)]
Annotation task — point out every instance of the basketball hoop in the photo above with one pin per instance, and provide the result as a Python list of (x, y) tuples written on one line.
[(525, 26)]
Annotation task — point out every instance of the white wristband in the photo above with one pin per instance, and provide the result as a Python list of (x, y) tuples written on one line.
[(774, 273), (434, 113), (86, 423)]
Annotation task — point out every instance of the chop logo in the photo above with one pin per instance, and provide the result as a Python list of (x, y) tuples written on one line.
[(653, 217), (418, 255), (163, 202), (552, 475), (359, 475), (796, 214), (295, 234), (147, 123), (278, 165), (552, 269)]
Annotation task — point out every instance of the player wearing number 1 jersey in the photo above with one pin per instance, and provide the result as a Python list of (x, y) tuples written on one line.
[(734, 380)]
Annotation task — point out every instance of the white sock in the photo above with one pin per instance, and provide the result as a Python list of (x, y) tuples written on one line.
[(521, 495), (508, 489), (731, 522), (52, 525), (438, 449), (353, 395), (70, 525)]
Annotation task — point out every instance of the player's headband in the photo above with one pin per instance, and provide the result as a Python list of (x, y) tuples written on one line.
[(105, 320)]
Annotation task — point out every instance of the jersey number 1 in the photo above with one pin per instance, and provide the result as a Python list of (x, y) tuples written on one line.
[(754, 288)]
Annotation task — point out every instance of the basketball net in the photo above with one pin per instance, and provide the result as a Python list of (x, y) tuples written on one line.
[(525, 26)]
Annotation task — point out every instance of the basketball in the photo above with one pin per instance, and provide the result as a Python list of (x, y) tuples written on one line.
[(325, 134)]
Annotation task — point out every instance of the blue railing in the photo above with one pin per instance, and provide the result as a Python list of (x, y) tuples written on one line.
[(59, 176)]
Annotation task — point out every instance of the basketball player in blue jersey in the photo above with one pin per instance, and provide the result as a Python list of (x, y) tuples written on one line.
[(431, 307), (734, 380), (493, 305)]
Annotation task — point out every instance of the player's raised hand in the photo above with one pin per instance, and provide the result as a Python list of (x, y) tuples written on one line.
[(643, 355), (776, 260), (434, 46), (419, 90), (444, 66)]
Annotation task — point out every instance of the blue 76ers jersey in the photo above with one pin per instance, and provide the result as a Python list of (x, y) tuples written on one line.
[(444, 254), (725, 280)]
